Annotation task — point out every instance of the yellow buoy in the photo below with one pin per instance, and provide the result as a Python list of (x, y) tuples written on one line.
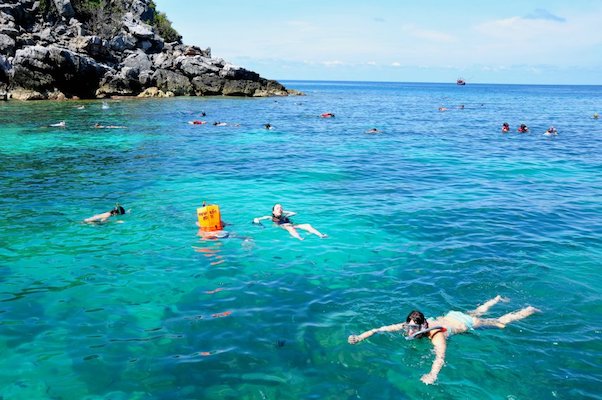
[(209, 218)]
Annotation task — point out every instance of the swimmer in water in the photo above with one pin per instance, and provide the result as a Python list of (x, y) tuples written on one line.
[(99, 126), (268, 126), (372, 131), (281, 218), (100, 218), (59, 124), (327, 115), (217, 123), (596, 116), (551, 131), (442, 109), (523, 128), (440, 328), (505, 127)]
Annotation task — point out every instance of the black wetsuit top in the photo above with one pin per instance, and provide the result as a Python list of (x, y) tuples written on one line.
[(281, 220)]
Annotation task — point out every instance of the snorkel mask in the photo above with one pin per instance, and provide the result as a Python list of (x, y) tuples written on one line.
[(416, 326), (118, 210), (413, 330)]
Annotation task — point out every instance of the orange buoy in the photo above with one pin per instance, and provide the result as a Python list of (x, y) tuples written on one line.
[(209, 218)]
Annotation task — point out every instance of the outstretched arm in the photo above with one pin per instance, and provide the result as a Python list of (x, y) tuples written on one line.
[(257, 220), (288, 213), (353, 339), (440, 345)]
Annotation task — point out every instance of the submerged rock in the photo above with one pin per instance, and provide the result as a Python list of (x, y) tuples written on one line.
[(55, 49)]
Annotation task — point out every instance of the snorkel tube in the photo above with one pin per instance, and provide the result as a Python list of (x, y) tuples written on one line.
[(417, 334)]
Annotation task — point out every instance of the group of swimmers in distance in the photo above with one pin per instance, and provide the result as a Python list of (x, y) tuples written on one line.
[(416, 325), (552, 131)]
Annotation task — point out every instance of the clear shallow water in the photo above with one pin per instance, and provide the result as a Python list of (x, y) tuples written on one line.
[(439, 212)]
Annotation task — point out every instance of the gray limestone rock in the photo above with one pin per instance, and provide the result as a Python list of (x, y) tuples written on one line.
[(7, 44), (122, 42), (64, 8), (137, 28), (170, 81), (195, 66), (47, 68), (208, 85)]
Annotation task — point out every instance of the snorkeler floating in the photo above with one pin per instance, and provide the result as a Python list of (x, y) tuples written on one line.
[(523, 128), (440, 328), (281, 218), (100, 218), (99, 126), (505, 127), (551, 131)]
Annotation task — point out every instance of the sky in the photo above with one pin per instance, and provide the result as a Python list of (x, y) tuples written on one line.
[(497, 41)]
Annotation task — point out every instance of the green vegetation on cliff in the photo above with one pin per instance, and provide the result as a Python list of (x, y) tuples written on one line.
[(163, 25), (103, 17)]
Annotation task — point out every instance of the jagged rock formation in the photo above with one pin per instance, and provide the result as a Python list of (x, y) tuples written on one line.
[(49, 49)]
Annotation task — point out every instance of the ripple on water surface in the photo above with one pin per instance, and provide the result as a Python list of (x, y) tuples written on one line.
[(440, 211)]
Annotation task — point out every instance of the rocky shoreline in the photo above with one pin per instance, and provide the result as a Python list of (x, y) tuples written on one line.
[(46, 52)]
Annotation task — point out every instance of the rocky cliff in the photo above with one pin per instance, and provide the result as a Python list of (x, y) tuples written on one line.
[(55, 49)]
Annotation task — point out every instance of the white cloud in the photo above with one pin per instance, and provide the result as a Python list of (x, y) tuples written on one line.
[(540, 13), (334, 63), (429, 35), (396, 64)]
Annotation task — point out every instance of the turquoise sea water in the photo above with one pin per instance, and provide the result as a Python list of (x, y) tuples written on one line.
[(439, 212)]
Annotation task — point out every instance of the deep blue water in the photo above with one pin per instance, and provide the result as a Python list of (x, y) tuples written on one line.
[(440, 211)]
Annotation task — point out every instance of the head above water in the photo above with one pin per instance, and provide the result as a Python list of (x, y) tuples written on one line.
[(118, 210), (415, 322), (277, 210)]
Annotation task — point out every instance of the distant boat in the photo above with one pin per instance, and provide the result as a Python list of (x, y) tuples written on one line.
[(460, 82)]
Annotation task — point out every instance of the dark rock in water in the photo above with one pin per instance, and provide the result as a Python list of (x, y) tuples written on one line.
[(54, 48)]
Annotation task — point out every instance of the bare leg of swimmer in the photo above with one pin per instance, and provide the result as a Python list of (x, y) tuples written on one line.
[(517, 315), (483, 308), (291, 229), (310, 229), (487, 323)]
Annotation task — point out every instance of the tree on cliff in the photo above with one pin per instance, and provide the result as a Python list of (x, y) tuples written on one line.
[(103, 17)]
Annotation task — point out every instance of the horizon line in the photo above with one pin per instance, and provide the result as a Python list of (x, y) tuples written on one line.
[(439, 83)]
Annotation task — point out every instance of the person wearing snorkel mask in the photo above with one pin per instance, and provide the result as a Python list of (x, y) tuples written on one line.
[(103, 217), (440, 328)]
